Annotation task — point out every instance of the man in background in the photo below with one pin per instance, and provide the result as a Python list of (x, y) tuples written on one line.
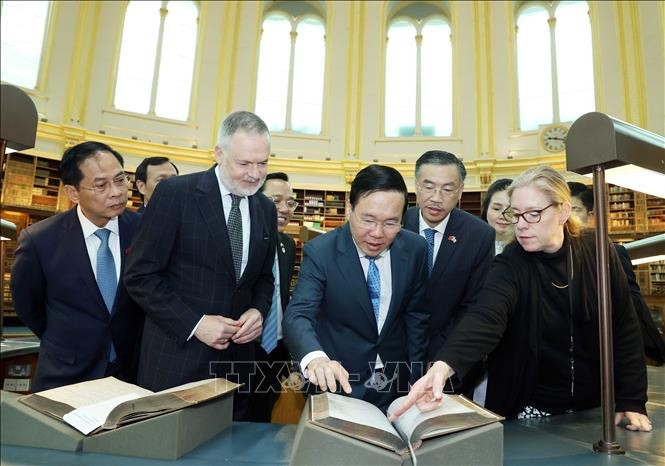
[(583, 206), (271, 354), (356, 318), (201, 266), (149, 173), (460, 245), (65, 279)]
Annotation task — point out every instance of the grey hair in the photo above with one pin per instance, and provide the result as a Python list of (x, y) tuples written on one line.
[(242, 120)]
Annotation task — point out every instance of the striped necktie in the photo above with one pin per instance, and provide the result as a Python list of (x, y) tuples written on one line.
[(234, 226), (374, 285), (429, 236), (269, 339)]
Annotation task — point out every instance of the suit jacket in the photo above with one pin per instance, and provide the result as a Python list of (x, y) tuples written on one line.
[(654, 346), (461, 265), (56, 295), (286, 254), (181, 267), (331, 309)]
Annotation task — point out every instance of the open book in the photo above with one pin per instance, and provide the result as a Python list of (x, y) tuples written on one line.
[(364, 421), (108, 403)]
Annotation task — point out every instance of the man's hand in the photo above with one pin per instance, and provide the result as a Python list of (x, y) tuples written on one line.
[(216, 331), (427, 392), (251, 326), (634, 421), (324, 373)]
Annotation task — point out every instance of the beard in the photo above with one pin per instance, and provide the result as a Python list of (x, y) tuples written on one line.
[(234, 187)]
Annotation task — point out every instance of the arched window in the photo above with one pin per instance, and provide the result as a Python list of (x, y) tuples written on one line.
[(554, 63), (22, 31), (418, 92), (156, 65), (289, 89)]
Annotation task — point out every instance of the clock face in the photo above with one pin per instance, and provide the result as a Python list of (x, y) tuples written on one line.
[(554, 138)]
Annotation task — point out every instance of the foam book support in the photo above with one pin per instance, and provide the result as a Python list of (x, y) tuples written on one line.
[(317, 445), (167, 436)]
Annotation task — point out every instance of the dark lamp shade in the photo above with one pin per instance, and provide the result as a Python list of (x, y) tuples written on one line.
[(18, 118)]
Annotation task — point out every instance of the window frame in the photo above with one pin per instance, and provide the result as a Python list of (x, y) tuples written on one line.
[(550, 8), (418, 24), (294, 20), (151, 115)]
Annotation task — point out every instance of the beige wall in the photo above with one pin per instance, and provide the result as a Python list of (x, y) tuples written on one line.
[(75, 91)]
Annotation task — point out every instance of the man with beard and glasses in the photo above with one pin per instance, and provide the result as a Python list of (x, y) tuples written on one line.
[(201, 266)]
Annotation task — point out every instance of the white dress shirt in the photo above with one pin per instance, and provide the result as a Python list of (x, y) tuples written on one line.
[(92, 242), (385, 273), (440, 229)]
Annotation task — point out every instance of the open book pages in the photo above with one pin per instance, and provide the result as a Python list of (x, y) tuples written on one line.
[(455, 413), (364, 421), (109, 403), (355, 418)]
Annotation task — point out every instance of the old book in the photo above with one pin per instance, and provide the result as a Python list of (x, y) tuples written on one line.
[(364, 421), (109, 403)]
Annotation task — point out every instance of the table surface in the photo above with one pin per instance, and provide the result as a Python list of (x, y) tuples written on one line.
[(558, 440)]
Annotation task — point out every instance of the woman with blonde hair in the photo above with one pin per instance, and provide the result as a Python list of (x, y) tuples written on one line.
[(537, 319)]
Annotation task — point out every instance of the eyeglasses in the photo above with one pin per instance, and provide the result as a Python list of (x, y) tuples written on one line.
[(367, 224), (102, 187), (290, 203), (530, 216), (446, 190)]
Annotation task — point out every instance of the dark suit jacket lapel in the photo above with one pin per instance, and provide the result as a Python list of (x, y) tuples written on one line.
[(256, 236), (351, 269), (284, 279), (398, 270), (448, 245), (73, 242), (209, 201)]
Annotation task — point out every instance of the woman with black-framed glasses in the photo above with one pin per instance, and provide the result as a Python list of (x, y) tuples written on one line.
[(537, 318)]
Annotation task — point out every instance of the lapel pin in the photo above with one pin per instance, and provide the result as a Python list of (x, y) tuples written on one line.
[(283, 250), (452, 238)]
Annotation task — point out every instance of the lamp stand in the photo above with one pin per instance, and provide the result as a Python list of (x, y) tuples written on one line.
[(607, 444)]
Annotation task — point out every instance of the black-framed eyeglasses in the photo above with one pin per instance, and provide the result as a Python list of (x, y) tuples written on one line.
[(290, 203), (530, 216)]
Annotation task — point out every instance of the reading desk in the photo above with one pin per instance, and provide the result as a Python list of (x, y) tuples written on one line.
[(561, 440)]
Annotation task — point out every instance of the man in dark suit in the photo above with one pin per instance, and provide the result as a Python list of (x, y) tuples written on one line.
[(582, 206), (271, 355), (356, 317), (65, 279), (201, 265), (149, 173), (460, 245)]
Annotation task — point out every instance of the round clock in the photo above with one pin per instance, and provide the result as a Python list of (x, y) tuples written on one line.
[(553, 138)]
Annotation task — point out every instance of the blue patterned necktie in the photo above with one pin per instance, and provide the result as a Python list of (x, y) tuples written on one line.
[(269, 339), (106, 275), (234, 226), (374, 285), (429, 236)]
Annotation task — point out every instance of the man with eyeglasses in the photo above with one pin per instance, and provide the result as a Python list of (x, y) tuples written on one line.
[(271, 354), (66, 283), (460, 245), (356, 319)]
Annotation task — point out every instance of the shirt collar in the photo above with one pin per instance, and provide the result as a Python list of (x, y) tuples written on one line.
[(90, 228), (441, 227)]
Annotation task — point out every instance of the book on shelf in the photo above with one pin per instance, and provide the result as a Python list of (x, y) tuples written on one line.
[(108, 403), (364, 421)]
